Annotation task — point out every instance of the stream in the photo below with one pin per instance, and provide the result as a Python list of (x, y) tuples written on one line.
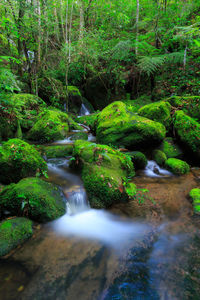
[(122, 253)]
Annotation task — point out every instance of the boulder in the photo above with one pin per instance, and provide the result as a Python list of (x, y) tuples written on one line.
[(56, 151), (14, 232), (170, 148), (74, 99), (188, 132), (159, 157), (33, 197), (118, 126), (158, 111), (195, 196), (138, 158), (18, 159), (52, 125), (177, 166), (105, 173)]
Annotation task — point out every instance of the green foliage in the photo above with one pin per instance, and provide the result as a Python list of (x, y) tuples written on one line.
[(195, 196)]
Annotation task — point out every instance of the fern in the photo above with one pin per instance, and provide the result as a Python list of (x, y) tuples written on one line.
[(149, 65), (8, 81)]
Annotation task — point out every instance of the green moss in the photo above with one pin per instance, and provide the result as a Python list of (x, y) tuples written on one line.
[(158, 111), (52, 125), (73, 90), (18, 159), (18, 109), (56, 151), (90, 121), (189, 104), (195, 196), (39, 200), (188, 132), (177, 166), (170, 148), (159, 157), (104, 173), (118, 126), (13, 233), (74, 99), (139, 159)]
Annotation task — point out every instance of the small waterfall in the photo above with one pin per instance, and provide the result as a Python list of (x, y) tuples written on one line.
[(154, 170), (84, 111)]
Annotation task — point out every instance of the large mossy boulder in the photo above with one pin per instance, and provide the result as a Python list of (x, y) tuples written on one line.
[(18, 111), (195, 196), (90, 121), (105, 173), (74, 99), (13, 233), (18, 159), (118, 126), (33, 197), (158, 111), (177, 166), (52, 125), (189, 104), (188, 132), (171, 148)]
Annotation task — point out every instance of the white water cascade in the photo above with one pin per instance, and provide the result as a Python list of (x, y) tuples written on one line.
[(154, 170), (84, 111)]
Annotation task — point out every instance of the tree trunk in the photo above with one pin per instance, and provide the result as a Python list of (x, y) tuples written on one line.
[(137, 21)]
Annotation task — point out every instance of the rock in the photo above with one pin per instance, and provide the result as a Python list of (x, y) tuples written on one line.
[(158, 111), (33, 197), (90, 121), (159, 157), (104, 173), (170, 148), (18, 159), (74, 99), (19, 109), (188, 132), (139, 159), (52, 125), (177, 166), (118, 126), (189, 104), (14, 232), (56, 151), (195, 196)]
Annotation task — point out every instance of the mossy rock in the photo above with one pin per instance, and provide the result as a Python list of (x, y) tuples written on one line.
[(39, 200), (79, 136), (18, 111), (118, 126), (56, 151), (158, 111), (159, 156), (90, 121), (18, 159), (88, 105), (104, 173), (188, 132), (189, 104), (139, 159), (74, 99), (13, 233), (195, 196), (170, 148), (51, 125), (177, 166)]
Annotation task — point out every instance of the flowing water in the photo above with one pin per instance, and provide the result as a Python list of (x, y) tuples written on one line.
[(84, 111), (133, 251)]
